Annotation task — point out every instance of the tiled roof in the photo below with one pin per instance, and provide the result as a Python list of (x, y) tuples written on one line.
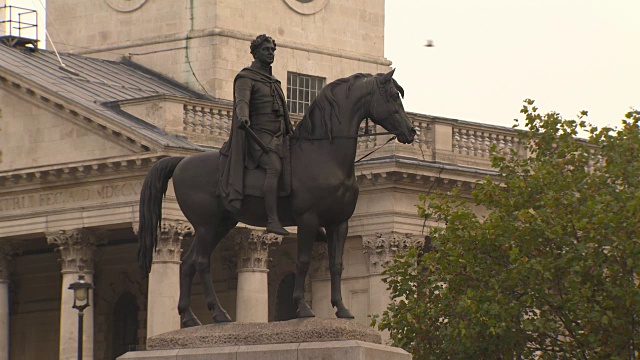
[(96, 84)]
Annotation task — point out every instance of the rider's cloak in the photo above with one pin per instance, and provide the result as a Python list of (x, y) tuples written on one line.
[(234, 151)]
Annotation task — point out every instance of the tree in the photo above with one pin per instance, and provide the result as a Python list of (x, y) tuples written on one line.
[(551, 272)]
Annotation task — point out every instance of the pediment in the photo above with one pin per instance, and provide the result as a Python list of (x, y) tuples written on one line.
[(36, 131)]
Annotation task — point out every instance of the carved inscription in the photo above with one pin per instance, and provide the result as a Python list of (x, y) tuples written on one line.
[(67, 197)]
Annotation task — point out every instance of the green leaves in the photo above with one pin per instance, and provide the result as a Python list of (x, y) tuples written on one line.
[(552, 271)]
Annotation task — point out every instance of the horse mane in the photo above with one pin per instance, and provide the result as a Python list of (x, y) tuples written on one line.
[(327, 105)]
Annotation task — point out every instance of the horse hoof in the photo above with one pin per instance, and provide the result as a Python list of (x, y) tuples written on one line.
[(305, 313), (221, 317), (344, 313), (191, 322)]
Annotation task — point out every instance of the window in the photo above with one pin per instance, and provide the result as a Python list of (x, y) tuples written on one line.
[(301, 91)]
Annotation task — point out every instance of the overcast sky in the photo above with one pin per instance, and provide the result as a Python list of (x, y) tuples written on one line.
[(489, 55)]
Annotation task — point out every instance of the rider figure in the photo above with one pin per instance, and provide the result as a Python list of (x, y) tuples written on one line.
[(260, 106)]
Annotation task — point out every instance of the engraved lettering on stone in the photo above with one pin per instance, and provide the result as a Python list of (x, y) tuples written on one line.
[(381, 248), (70, 196), (77, 248)]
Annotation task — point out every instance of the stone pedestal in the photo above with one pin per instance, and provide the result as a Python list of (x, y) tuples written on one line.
[(330, 350), (164, 279), (77, 249), (298, 339), (252, 297)]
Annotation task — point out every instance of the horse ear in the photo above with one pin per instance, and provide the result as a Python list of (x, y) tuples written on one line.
[(387, 77)]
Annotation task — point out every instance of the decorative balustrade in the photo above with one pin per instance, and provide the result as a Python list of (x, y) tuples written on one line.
[(439, 139)]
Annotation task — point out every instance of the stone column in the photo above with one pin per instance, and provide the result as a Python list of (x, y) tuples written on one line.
[(252, 297), (77, 249), (164, 279), (320, 278), (381, 248), (5, 260)]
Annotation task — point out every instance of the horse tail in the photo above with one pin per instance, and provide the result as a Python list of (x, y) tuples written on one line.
[(153, 191)]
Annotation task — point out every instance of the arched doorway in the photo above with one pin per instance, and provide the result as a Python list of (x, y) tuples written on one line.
[(285, 307), (125, 324)]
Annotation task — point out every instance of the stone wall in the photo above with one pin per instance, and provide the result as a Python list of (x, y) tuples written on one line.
[(204, 44)]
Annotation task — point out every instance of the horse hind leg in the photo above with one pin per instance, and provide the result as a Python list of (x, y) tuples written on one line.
[(336, 238), (210, 236), (306, 236), (187, 271)]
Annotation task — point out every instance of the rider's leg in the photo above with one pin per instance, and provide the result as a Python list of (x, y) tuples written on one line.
[(273, 165)]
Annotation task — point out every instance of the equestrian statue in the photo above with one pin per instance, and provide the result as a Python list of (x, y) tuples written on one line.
[(246, 181)]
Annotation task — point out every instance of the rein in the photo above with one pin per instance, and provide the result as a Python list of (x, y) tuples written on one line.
[(356, 136), (341, 136)]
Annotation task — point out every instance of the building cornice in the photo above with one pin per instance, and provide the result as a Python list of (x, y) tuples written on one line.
[(293, 45), (13, 179)]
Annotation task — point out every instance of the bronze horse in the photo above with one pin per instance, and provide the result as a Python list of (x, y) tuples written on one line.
[(323, 189)]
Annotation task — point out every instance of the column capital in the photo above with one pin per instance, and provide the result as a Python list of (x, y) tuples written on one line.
[(382, 247), (253, 248), (169, 247), (77, 248)]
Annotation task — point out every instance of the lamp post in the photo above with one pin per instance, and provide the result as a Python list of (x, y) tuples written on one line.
[(81, 290)]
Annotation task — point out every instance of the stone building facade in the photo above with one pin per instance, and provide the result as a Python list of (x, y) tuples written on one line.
[(147, 79)]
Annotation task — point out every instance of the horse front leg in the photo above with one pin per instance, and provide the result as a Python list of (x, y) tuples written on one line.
[(187, 271), (307, 233), (336, 237)]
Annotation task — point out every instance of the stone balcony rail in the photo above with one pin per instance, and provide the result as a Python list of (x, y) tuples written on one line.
[(440, 139)]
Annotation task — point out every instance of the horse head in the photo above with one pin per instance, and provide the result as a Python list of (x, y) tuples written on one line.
[(386, 110)]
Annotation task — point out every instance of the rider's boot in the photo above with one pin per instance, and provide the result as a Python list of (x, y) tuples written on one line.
[(271, 205)]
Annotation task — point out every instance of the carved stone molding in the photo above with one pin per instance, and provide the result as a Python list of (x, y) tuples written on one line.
[(253, 248), (382, 247), (125, 5), (319, 268), (306, 7), (169, 246), (77, 248)]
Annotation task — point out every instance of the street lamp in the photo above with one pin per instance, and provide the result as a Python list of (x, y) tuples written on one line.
[(81, 290)]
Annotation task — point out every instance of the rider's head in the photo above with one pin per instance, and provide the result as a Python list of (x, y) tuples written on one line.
[(262, 48)]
